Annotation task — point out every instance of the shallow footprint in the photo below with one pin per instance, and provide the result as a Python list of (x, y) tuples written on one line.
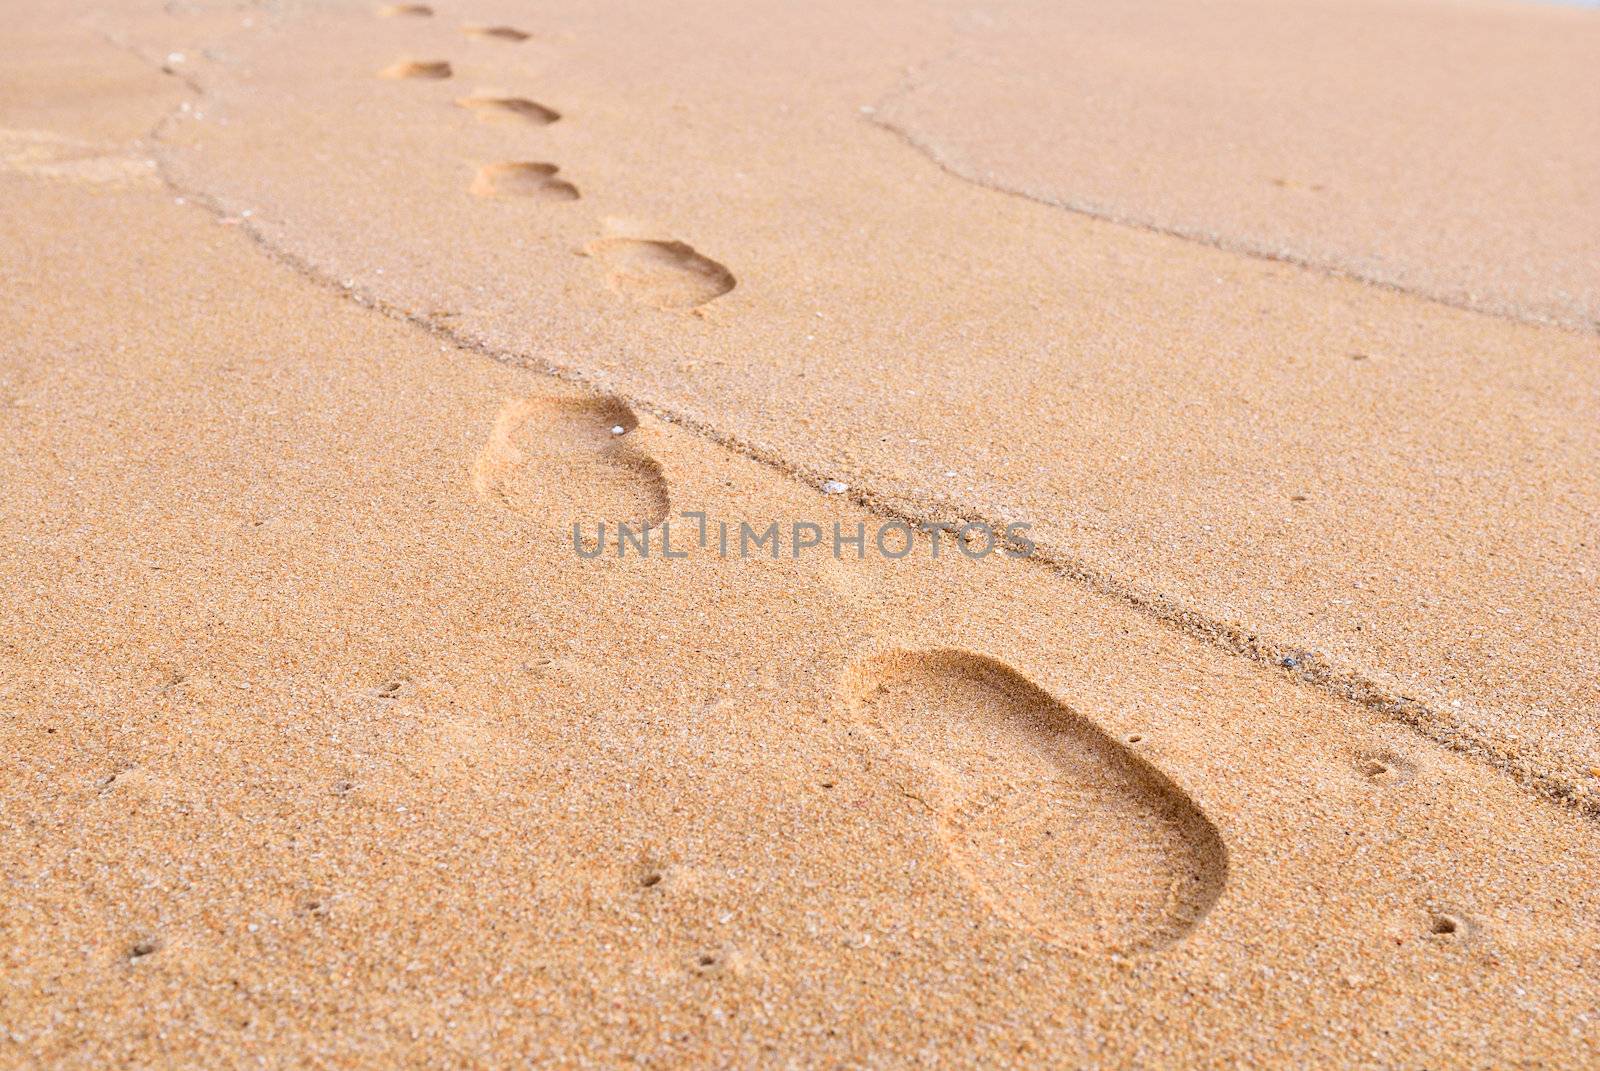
[(1058, 827), (668, 275), (497, 33), (535, 181), (429, 69), (570, 460), (508, 110)]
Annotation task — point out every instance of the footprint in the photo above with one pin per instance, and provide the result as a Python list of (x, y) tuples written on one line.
[(570, 460), (1058, 828), (498, 33), (536, 181), (668, 275), (434, 70), (508, 110), (415, 10)]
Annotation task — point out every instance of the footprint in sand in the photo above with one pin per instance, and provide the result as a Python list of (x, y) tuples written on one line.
[(433, 70), (496, 33), (509, 110), (1059, 828), (571, 460), (668, 275), (534, 181)]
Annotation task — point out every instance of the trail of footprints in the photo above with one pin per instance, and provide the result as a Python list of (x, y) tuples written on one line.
[(1058, 828), (666, 274)]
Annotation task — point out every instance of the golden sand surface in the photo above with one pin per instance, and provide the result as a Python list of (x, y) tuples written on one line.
[(327, 748), (1444, 148), (1393, 493)]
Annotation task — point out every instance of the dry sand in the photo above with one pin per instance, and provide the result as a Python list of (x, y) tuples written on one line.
[(329, 751)]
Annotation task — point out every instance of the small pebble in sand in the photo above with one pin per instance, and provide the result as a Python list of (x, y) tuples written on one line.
[(618, 429), (835, 487)]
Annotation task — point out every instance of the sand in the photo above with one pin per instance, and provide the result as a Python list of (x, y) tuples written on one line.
[(1441, 149), (331, 751)]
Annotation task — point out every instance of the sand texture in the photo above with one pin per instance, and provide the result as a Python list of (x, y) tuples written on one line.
[(1393, 491), (324, 323), (1445, 149)]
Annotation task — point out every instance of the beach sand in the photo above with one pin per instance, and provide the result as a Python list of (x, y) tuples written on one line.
[(325, 323)]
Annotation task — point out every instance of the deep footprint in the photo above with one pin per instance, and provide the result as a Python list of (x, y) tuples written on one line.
[(497, 33), (570, 460), (668, 275), (530, 180), (434, 70), (1057, 827), (509, 110)]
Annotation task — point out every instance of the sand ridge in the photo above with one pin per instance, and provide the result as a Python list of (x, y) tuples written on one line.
[(1493, 217)]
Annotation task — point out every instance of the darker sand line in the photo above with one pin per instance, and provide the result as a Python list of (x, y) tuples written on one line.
[(1213, 241)]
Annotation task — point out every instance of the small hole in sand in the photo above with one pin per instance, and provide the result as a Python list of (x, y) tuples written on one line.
[(1384, 767), (1134, 738), (342, 787), (1445, 924), (147, 947), (650, 880), (827, 784), (708, 960)]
